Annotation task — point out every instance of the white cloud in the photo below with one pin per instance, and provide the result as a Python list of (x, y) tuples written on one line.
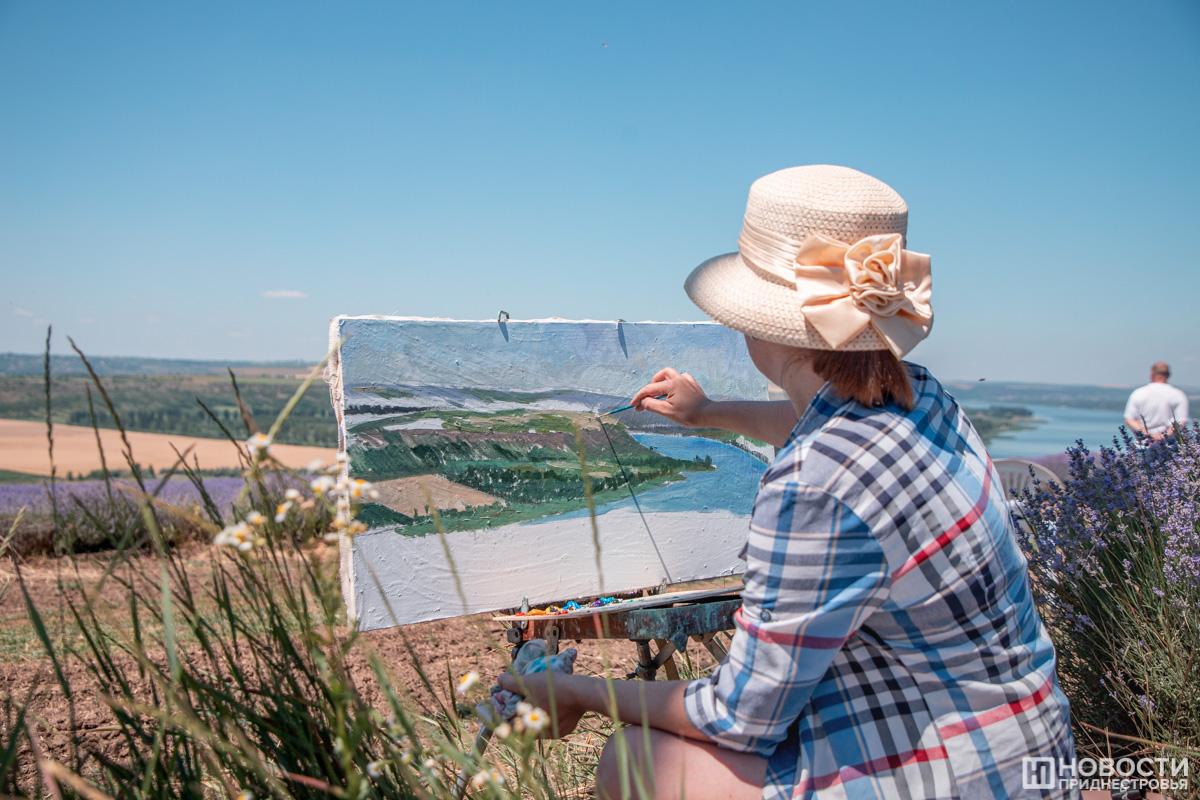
[(86, 321), (20, 312), (285, 294), (153, 320)]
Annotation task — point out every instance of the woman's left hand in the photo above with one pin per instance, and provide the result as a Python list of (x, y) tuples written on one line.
[(563, 711)]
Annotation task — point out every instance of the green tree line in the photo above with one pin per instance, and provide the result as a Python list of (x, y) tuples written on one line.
[(168, 404)]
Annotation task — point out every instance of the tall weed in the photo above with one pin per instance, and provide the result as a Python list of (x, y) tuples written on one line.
[(246, 680)]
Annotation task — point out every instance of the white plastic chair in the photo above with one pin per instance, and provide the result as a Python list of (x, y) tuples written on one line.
[(1015, 475)]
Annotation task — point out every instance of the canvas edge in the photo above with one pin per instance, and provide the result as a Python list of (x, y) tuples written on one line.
[(394, 318), (333, 376)]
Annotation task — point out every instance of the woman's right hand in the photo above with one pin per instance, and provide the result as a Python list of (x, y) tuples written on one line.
[(684, 402)]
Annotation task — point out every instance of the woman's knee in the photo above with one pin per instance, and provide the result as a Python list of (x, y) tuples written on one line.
[(642, 763), (622, 763)]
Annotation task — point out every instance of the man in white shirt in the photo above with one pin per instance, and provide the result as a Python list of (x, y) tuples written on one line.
[(1153, 409)]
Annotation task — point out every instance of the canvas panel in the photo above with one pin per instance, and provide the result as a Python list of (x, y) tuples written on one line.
[(481, 418)]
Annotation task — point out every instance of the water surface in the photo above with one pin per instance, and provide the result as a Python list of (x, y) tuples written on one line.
[(730, 487), (1059, 429)]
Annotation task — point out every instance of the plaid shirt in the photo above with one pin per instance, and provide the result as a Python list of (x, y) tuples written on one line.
[(887, 645)]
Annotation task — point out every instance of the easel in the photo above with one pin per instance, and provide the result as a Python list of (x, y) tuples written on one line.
[(667, 620)]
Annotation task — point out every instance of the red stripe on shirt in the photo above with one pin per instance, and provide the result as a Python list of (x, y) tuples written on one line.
[(999, 713), (788, 639), (898, 760), (846, 774), (969, 519)]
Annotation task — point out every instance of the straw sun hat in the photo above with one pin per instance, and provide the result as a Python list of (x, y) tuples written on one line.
[(821, 264)]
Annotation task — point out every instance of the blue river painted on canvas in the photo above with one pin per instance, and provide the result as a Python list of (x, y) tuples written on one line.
[(730, 487)]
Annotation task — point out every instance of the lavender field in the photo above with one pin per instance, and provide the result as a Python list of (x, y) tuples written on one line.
[(36, 498), (89, 518)]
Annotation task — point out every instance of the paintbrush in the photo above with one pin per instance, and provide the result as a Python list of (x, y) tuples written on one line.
[(626, 408)]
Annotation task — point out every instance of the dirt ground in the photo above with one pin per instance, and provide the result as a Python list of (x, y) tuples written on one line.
[(23, 449), (446, 649)]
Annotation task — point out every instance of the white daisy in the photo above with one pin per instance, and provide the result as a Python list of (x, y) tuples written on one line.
[(259, 445), (239, 535), (534, 720), (466, 682)]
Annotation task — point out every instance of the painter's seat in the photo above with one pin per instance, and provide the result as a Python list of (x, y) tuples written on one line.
[(1016, 475)]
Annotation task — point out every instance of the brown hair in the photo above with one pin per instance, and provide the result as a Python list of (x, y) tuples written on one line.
[(870, 377)]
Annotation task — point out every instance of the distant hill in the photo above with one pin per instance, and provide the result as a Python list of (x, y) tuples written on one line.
[(24, 364), (975, 393), (1107, 398)]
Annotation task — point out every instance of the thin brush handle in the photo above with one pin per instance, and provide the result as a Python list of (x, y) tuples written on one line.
[(626, 408)]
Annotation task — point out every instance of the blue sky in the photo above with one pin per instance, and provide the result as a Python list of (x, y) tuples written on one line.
[(216, 180)]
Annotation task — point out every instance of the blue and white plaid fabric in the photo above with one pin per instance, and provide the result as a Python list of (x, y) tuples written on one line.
[(887, 645)]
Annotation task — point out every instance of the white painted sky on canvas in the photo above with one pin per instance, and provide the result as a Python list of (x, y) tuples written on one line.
[(535, 356)]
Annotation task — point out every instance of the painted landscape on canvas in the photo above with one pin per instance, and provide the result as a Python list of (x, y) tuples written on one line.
[(489, 457), (484, 421)]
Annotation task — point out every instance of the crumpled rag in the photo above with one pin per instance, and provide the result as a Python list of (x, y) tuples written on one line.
[(501, 706)]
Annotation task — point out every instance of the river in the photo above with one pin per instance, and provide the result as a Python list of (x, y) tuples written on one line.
[(730, 487), (1058, 429)]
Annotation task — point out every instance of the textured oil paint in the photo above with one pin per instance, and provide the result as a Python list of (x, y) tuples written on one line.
[(480, 418)]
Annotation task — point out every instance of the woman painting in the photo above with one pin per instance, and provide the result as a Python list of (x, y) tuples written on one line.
[(887, 645)]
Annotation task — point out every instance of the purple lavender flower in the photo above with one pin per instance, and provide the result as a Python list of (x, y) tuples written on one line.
[(1114, 558), (35, 498)]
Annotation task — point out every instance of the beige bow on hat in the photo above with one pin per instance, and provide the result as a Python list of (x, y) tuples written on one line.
[(846, 287)]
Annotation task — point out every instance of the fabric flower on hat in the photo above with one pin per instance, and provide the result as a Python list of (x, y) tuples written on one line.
[(873, 271), (873, 282)]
